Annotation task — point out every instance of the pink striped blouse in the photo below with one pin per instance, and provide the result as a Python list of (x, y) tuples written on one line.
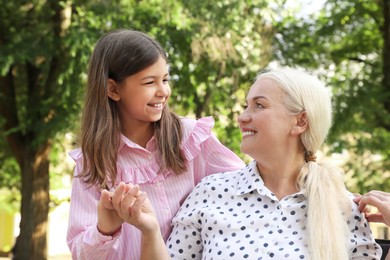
[(205, 155)]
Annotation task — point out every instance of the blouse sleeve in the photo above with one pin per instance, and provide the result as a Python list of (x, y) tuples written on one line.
[(364, 245), (219, 158), (207, 153), (185, 241), (83, 238)]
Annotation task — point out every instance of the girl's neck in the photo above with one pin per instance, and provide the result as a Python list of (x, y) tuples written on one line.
[(140, 134)]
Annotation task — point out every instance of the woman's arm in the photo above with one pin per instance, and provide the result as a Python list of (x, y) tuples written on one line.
[(361, 241)]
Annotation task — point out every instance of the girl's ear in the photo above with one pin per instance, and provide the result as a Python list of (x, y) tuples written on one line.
[(301, 124), (112, 90)]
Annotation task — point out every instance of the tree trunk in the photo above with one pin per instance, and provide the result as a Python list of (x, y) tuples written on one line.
[(32, 240), (386, 56)]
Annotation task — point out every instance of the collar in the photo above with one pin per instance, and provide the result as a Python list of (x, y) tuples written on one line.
[(126, 142), (250, 181)]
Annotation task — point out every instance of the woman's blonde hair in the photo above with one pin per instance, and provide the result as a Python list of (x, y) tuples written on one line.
[(328, 201), (118, 55)]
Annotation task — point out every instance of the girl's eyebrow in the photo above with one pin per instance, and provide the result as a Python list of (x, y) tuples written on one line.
[(152, 76)]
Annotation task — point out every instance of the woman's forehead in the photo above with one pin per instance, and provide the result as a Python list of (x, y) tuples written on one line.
[(264, 87)]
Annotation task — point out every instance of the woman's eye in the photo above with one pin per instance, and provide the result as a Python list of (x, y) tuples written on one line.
[(258, 105), (245, 107)]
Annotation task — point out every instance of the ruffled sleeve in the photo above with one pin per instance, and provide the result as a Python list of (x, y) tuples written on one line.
[(195, 135), (77, 156)]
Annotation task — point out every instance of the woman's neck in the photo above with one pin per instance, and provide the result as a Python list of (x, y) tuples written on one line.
[(281, 179)]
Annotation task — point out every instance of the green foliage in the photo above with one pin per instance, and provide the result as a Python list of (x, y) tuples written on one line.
[(215, 48), (344, 44)]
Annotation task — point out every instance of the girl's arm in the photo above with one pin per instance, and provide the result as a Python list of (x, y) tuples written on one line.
[(378, 199), (83, 237), (136, 209)]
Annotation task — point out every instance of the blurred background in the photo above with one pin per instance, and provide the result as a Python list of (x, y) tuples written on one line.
[(215, 48)]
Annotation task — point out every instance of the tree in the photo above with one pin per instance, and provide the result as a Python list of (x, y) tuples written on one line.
[(45, 47), (348, 44), (41, 64)]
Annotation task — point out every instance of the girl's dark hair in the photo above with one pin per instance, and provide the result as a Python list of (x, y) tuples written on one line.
[(118, 55)]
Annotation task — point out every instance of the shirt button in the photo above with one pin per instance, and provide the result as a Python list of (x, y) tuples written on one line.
[(150, 157), (158, 184)]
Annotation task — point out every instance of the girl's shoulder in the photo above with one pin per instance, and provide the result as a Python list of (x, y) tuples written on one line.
[(195, 133), (201, 126), (76, 154)]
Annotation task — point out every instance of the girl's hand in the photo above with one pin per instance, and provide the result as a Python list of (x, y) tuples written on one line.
[(378, 199), (137, 210), (109, 222)]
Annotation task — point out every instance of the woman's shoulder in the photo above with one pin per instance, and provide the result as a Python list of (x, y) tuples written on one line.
[(222, 179)]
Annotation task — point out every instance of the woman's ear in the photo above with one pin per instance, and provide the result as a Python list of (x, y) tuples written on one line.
[(112, 90), (301, 124)]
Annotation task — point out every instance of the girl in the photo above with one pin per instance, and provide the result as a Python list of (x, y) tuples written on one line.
[(128, 134)]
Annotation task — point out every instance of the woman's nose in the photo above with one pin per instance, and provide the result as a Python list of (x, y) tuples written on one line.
[(243, 118)]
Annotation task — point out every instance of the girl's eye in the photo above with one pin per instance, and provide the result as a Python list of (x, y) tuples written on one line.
[(245, 106), (149, 82)]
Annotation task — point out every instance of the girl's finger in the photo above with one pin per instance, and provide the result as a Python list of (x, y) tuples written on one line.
[(105, 199), (138, 204), (118, 196)]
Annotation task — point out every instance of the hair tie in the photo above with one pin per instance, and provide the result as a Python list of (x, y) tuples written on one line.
[(310, 157)]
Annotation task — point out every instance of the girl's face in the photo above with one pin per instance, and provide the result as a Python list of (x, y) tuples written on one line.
[(266, 124), (142, 96)]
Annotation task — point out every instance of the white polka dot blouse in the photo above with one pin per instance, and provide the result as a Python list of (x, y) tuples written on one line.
[(233, 215)]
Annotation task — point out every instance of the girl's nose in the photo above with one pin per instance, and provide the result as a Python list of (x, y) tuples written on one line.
[(164, 89)]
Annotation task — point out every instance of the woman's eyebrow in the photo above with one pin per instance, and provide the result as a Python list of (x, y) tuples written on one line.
[(257, 97)]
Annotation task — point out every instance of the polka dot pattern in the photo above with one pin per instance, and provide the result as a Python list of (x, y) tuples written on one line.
[(234, 216)]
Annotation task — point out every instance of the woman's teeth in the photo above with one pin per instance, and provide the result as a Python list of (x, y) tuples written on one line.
[(246, 133)]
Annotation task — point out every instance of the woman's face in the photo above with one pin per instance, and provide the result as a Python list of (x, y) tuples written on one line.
[(265, 124)]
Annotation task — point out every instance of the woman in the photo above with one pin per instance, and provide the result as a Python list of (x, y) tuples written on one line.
[(283, 205)]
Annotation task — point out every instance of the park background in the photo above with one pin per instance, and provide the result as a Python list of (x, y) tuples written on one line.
[(215, 48)]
